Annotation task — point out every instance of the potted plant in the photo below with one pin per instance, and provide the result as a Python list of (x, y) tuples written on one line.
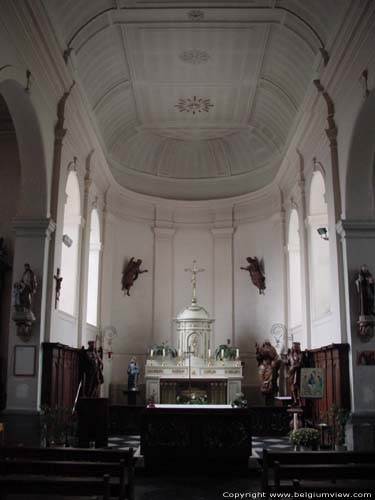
[(239, 401), (305, 438), (337, 419), (164, 349), (226, 352), (55, 422)]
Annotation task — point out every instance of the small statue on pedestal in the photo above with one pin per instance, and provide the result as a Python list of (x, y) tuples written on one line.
[(269, 364), (133, 373), (295, 363), (91, 370), (256, 273)]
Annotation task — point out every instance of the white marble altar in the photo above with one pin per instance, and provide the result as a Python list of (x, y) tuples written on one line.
[(196, 360)]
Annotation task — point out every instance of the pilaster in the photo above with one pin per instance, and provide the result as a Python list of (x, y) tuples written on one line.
[(163, 285)]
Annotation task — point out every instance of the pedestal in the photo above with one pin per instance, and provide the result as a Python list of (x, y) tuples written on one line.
[(131, 396), (92, 422)]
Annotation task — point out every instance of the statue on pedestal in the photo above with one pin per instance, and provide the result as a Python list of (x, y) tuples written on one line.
[(269, 364), (133, 374), (91, 370), (256, 273), (295, 363), (365, 288)]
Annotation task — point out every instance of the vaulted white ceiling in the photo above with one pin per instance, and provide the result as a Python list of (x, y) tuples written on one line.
[(195, 99)]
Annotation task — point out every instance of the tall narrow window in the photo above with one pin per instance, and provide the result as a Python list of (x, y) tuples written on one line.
[(70, 246), (294, 255), (319, 248), (93, 277)]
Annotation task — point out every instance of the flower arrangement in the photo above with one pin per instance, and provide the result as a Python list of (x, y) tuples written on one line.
[(226, 352), (164, 349), (305, 437), (337, 419), (56, 423), (239, 401)]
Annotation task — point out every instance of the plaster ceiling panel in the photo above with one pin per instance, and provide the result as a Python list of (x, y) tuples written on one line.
[(324, 17), (246, 151), (116, 116), (193, 55), (101, 64), (187, 105), (190, 160), (288, 63), (71, 15), (141, 152)]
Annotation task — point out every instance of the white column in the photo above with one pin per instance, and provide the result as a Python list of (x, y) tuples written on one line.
[(358, 242), (223, 286), (163, 327), (31, 246)]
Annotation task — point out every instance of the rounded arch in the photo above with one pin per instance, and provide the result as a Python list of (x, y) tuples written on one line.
[(360, 173), (34, 193), (71, 243)]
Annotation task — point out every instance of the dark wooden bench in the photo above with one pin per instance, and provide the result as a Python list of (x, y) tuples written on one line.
[(318, 471), (73, 471)]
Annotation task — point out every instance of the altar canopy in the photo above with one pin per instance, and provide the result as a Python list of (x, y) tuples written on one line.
[(196, 374)]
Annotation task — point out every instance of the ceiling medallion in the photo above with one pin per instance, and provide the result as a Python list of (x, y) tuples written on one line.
[(194, 105), (196, 15), (194, 56)]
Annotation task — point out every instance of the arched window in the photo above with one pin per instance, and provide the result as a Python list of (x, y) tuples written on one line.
[(294, 267), (93, 276), (70, 246), (319, 248)]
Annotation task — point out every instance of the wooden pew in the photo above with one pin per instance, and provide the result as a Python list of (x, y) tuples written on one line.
[(318, 471), (74, 467)]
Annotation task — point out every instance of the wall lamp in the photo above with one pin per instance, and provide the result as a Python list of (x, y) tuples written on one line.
[(323, 233), (67, 240)]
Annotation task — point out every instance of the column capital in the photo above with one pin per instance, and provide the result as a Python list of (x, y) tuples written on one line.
[(356, 229), (222, 232), (34, 228), (163, 233)]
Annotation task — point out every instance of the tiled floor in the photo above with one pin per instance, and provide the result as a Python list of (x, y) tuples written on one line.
[(258, 443), (195, 486)]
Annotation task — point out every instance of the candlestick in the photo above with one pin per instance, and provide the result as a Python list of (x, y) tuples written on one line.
[(222, 354), (209, 353), (152, 353), (179, 353), (163, 353), (237, 353)]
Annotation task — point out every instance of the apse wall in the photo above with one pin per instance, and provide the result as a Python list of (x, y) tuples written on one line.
[(219, 239)]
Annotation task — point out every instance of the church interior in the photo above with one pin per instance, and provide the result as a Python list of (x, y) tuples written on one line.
[(187, 242)]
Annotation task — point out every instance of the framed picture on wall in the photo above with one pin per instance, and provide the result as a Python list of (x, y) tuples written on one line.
[(312, 383), (24, 361)]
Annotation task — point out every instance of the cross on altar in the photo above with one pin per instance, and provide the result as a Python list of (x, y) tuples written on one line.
[(194, 271)]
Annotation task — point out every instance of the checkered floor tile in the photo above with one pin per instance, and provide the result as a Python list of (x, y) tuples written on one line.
[(258, 443)]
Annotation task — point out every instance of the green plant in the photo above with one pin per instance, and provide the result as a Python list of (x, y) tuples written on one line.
[(162, 348), (337, 418), (56, 422), (239, 401), (225, 351), (305, 437)]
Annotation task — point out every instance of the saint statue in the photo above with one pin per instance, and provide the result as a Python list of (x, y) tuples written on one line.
[(131, 273), (365, 289), (91, 371), (25, 289), (295, 363), (256, 273), (133, 373), (269, 364)]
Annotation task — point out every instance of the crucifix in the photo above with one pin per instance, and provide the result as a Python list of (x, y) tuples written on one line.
[(194, 271)]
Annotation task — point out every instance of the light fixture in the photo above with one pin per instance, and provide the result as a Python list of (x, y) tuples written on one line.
[(67, 240), (323, 233)]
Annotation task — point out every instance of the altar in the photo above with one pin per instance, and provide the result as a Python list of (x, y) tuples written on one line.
[(197, 372)]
